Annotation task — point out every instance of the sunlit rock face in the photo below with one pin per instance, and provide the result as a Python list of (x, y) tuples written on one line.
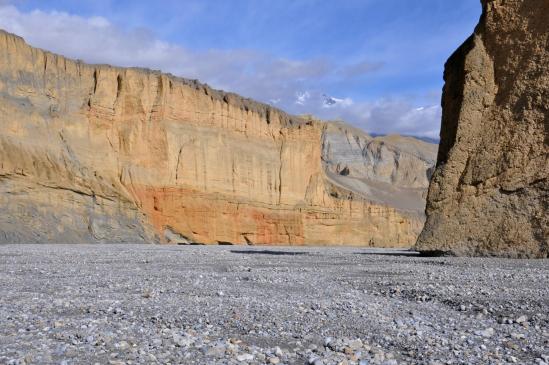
[(489, 193), (94, 153)]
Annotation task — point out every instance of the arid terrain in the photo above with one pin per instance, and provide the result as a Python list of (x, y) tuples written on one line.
[(239, 200), (97, 153), (147, 304)]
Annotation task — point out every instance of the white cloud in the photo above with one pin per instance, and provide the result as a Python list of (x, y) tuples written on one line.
[(265, 77), (390, 116), (302, 97), (99, 22), (96, 40)]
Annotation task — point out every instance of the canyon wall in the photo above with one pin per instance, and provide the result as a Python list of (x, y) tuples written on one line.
[(392, 170), (490, 191), (94, 153)]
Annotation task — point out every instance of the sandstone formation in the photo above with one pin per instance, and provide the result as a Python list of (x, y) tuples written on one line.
[(490, 191), (94, 153)]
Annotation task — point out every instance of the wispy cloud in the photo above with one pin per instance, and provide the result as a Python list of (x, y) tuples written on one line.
[(301, 98), (383, 116), (361, 68), (297, 85)]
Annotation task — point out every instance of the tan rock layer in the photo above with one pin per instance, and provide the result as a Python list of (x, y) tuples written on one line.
[(489, 193), (169, 158)]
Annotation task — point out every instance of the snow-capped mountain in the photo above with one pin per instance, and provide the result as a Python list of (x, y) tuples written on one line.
[(330, 101)]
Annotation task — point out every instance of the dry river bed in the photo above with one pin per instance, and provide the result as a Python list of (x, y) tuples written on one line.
[(141, 304)]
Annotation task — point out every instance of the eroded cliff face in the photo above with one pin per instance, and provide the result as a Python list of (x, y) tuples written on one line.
[(98, 153), (489, 193), (391, 170)]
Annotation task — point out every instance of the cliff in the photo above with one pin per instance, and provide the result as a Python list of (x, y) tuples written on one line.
[(390, 170), (94, 153), (489, 193)]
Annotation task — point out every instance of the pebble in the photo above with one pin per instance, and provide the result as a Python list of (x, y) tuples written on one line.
[(522, 319), (182, 341), (245, 357), (488, 332)]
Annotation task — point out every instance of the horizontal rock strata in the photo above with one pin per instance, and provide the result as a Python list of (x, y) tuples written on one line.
[(98, 153)]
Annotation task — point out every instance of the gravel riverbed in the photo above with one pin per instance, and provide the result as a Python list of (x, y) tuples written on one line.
[(146, 304)]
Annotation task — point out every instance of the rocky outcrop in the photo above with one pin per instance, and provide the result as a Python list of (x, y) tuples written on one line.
[(98, 153), (489, 193), (390, 170)]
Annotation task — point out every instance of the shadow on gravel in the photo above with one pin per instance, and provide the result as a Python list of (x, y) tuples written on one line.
[(399, 253), (270, 252)]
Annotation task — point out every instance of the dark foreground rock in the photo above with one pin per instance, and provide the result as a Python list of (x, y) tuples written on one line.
[(490, 192), (129, 304)]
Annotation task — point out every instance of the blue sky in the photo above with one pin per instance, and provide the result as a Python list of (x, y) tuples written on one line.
[(375, 63)]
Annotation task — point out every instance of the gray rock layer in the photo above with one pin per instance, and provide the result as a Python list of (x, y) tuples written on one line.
[(31, 213)]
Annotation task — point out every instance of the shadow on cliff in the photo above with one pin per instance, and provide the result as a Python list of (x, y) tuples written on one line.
[(270, 252)]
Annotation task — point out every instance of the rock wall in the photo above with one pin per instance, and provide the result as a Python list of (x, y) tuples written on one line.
[(391, 170), (98, 153), (489, 193)]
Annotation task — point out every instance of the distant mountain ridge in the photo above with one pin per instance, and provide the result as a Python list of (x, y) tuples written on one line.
[(421, 138), (393, 170)]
